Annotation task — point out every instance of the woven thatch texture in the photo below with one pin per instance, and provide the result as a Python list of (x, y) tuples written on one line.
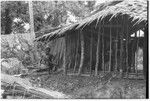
[(135, 10)]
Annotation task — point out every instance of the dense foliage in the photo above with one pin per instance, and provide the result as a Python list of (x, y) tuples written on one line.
[(46, 13)]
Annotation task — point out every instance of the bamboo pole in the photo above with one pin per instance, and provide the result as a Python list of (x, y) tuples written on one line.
[(110, 51), (103, 49), (91, 52), (76, 56), (82, 53), (97, 54)]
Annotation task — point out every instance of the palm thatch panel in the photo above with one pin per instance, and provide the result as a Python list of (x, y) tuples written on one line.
[(135, 10)]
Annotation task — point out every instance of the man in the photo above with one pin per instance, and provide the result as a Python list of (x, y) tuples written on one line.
[(49, 58)]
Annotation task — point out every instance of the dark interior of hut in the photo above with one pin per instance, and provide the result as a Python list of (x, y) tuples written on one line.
[(116, 51)]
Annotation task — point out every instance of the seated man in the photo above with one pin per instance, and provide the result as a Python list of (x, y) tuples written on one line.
[(49, 58)]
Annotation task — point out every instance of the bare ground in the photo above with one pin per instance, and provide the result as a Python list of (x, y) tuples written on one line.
[(92, 87)]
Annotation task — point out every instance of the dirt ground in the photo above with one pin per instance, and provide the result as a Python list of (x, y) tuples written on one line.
[(92, 87)]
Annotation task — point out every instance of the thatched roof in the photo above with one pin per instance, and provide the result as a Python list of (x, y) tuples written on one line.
[(136, 10), (45, 30)]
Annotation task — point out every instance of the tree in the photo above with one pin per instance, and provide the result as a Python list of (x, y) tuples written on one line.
[(31, 19), (11, 10), (46, 13)]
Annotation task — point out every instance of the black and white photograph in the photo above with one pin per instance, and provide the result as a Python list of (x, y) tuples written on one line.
[(74, 49)]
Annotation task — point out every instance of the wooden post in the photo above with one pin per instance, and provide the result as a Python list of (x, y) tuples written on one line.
[(110, 51), (121, 48), (116, 52), (31, 20), (76, 55), (97, 53), (133, 53), (127, 41), (136, 54), (145, 56), (64, 57), (121, 53), (103, 51), (82, 53), (91, 53)]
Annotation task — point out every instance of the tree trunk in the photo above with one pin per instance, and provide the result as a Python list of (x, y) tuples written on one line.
[(97, 54), (91, 52), (82, 53), (31, 20), (8, 21)]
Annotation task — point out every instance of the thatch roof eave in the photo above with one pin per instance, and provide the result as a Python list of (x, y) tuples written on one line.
[(135, 9)]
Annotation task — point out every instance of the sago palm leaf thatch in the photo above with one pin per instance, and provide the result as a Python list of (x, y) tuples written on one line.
[(135, 10)]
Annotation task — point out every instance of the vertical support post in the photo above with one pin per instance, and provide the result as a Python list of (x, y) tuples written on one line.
[(116, 51), (145, 56), (103, 48), (110, 51), (91, 52), (97, 53), (135, 58), (82, 53), (121, 53), (64, 57), (121, 48), (133, 53), (137, 46), (76, 56), (127, 41)]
